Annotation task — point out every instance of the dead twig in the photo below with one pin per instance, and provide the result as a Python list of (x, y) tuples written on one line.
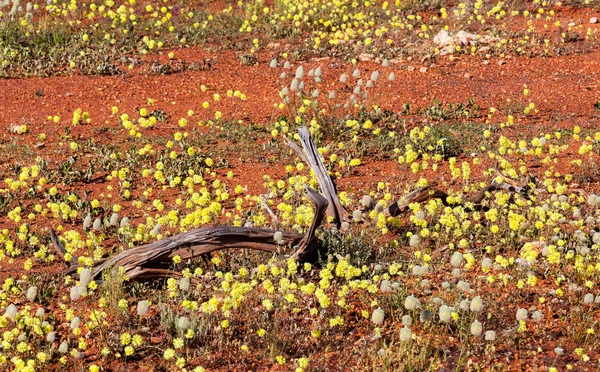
[(428, 192), (310, 155)]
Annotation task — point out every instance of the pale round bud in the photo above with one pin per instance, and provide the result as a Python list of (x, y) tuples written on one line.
[(378, 316), (521, 314), (405, 334), (411, 303), (142, 308), (32, 293), (476, 328), (490, 335)]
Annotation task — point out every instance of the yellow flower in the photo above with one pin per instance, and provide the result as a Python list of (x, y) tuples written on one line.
[(178, 343), (129, 350), (169, 354)]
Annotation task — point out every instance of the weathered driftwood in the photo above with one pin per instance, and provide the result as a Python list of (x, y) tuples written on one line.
[(472, 202), (310, 155), (309, 245), (191, 244), (153, 260)]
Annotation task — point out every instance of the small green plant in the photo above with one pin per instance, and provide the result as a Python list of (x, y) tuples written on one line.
[(113, 289)]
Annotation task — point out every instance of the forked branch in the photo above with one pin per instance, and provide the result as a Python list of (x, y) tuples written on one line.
[(428, 192), (310, 155)]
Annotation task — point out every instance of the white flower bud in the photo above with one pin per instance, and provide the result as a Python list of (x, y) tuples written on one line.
[(405, 334), (278, 237), (407, 320), (476, 304), (476, 328), (521, 314), (87, 222), (294, 85), (114, 219), (415, 240), (85, 277), (63, 348), (542, 140), (183, 323), (490, 335), (464, 305), (378, 316), (445, 314), (76, 292), (273, 63), (31, 293), (411, 303), (457, 259), (142, 308), (75, 322), (463, 286), (355, 73), (97, 224), (184, 283), (11, 312), (299, 72), (51, 337)]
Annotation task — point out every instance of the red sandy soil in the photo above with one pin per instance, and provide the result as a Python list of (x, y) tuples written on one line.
[(563, 88)]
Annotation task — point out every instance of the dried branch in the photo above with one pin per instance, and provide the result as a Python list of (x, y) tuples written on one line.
[(428, 192), (270, 212), (309, 245), (310, 155), (154, 259)]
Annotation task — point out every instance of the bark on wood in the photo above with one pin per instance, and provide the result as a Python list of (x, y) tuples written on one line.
[(428, 192), (310, 155), (309, 245), (152, 260)]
